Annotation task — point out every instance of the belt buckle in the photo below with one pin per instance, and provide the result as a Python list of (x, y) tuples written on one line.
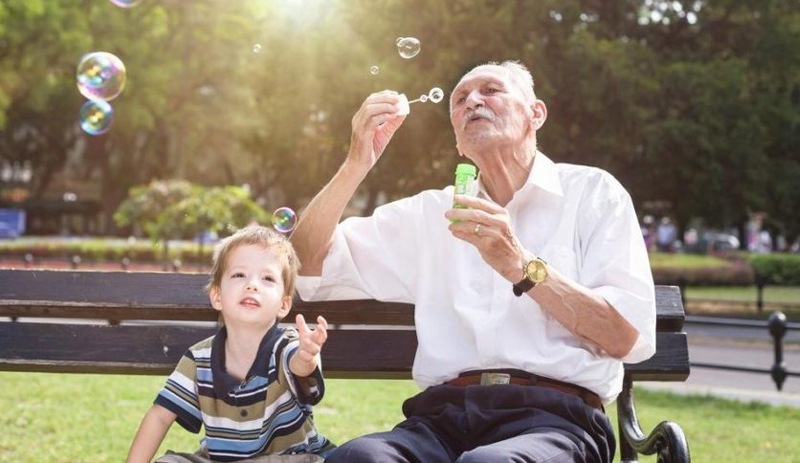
[(488, 378)]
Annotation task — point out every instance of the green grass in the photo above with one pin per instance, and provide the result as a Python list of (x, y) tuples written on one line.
[(776, 294), (92, 418)]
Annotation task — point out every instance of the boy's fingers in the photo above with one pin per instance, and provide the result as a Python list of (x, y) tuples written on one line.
[(300, 321)]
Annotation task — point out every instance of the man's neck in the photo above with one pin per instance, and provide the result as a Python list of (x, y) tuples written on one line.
[(503, 174)]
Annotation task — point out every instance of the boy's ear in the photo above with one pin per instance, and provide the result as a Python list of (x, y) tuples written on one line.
[(215, 298), (286, 306)]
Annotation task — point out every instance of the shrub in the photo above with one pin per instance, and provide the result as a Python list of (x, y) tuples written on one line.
[(776, 269)]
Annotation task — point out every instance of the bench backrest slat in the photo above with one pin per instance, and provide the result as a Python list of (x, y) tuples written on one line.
[(155, 349), (385, 330)]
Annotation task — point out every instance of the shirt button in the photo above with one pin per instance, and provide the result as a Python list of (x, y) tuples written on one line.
[(243, 413)]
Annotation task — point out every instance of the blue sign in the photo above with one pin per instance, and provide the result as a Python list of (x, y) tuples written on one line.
[(12, 223)]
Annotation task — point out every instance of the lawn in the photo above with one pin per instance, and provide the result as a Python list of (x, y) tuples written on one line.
[(92, 418), (774, 294)]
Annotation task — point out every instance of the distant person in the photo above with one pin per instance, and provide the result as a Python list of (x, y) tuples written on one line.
[(666, 234), (527, 301), (764, 242), (252, 385)]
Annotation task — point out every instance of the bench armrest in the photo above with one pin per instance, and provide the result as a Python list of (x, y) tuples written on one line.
[(666, 439)]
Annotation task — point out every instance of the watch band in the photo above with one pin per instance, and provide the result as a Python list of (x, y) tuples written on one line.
[(523, 287)]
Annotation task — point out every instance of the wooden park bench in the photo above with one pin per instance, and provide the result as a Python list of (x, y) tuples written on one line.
[(142, 323)]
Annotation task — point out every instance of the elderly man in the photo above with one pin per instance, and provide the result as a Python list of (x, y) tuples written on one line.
[(527, 300)]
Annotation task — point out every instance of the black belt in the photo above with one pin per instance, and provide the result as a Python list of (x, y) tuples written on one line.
[(522, 378)]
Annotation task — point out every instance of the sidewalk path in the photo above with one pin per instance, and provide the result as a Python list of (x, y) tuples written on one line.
[(721, 348)]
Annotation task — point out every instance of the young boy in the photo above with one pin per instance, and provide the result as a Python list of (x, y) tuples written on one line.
[(251, 386)]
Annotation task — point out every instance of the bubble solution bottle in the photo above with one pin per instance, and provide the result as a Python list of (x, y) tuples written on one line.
[(465, 183)]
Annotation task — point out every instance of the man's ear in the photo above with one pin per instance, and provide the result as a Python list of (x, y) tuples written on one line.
[(539, 114), (215, 298), (286, 306)]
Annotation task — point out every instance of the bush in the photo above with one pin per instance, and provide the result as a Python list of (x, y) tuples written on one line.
[(736, 273), (776, 269)]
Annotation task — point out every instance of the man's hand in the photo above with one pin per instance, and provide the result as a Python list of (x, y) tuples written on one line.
[(374, 124), (307, 357), (487, 226)]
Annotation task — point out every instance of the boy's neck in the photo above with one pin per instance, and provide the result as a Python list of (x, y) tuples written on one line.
[(241, 348)]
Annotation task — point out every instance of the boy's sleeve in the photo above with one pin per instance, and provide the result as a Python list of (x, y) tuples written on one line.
[(179, 394), (308, 390)]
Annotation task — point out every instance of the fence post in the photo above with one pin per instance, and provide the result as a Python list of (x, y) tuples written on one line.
[(777, 328), (760, 283)]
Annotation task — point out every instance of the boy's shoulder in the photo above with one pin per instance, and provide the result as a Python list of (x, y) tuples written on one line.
[(203, 346)]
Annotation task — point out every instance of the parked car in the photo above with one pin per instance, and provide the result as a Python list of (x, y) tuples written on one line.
[(713, 242)]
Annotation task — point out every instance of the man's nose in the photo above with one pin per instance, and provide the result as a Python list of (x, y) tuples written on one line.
[(474, 100)]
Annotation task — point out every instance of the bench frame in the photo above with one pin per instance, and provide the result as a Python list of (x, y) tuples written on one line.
[(142, 323)]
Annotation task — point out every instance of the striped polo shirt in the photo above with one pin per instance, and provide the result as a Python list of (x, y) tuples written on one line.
[(267, 413)]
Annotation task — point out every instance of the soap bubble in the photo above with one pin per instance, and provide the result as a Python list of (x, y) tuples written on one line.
[(436, 94), (125, 3), (96, 117), (284, 219), (374, 70), (101, 76), (257, 48), (408, 47), (423, 98)]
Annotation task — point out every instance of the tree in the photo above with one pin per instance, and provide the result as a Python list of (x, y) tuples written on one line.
[(178, 209)]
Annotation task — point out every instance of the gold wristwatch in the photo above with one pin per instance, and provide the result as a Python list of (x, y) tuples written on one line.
[(535, 271)]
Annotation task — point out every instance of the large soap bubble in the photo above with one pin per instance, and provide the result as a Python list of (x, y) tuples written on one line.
[(125, 3), (101, 76), (284, 219), (96, 117), (408, 47)]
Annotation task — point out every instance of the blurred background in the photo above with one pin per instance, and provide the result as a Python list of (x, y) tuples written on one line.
[(693, 105)]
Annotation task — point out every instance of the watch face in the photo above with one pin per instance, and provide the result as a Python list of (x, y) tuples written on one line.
[(536, 270)]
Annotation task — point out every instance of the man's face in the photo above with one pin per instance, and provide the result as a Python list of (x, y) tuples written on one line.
[(487, 105)]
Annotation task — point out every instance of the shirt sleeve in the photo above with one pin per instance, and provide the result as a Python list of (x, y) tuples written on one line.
[(351, 269), (616, 264), (307, 390), (179, 394)]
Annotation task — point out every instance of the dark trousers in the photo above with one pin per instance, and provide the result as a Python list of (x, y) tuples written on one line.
[(483, 424)]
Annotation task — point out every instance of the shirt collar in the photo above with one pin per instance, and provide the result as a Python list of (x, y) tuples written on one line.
[(544, 175), (223, 381)]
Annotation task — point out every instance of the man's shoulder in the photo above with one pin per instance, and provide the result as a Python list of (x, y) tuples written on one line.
[(587, 174)]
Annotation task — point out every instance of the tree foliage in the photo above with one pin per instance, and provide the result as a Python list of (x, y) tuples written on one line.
[(688, 102), (175, 209)]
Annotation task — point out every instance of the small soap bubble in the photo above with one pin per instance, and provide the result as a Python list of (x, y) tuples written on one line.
[(257, 48), (436, 94), (374, 70), (284, 219), (408, 47), (125, 3), (423, 98), (96, 117), (101, 76)]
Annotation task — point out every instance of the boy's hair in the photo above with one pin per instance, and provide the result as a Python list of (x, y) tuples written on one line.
[(262, 236)]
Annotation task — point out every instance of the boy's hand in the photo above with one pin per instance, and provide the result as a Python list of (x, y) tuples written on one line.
[(307, 357)]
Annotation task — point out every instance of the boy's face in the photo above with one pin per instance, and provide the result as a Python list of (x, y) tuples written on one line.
[(251, 292)]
